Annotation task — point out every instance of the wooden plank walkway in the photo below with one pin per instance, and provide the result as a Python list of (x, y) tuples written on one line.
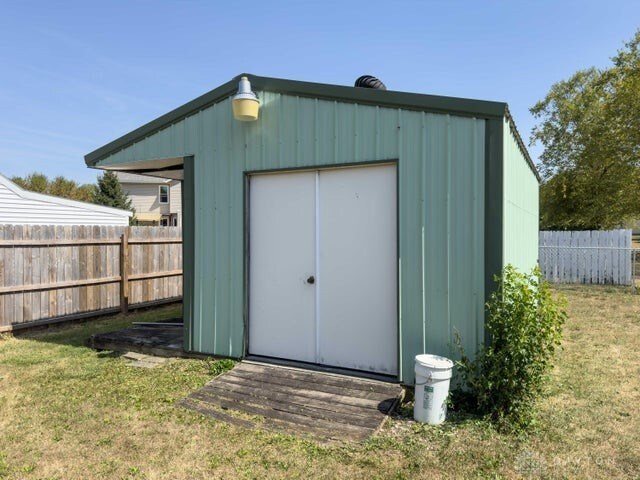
[(324, 406), (160, 340)]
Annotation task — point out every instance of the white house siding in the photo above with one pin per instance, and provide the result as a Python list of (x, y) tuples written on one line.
[(145, 198), (175, 197), (36, 209), (144, 193)]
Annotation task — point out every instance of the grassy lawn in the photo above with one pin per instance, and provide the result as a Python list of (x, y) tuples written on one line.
[(67, 412)]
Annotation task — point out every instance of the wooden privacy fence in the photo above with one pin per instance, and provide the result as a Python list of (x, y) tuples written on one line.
[(587, 257), (51, 273)]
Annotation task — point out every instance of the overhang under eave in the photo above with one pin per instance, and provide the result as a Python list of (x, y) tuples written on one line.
[(172, 168)]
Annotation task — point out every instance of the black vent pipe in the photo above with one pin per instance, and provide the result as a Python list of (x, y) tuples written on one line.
[(369, 81)]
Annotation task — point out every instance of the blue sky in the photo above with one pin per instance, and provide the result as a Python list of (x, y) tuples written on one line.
[(75, 75)]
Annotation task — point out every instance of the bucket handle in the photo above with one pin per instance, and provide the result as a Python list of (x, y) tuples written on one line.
[(429, 378)]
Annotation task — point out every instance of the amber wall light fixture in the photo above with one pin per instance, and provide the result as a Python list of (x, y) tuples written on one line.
[(245, 103)]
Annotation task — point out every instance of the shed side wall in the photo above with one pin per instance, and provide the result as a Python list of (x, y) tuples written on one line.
[(441, 208), (520, 207)]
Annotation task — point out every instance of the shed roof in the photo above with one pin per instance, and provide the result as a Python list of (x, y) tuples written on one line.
[(365, 96)]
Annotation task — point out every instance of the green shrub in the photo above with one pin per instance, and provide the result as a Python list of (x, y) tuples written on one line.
[(524, 326)]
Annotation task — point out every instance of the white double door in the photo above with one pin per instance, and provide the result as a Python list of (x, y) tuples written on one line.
[(323, 267)]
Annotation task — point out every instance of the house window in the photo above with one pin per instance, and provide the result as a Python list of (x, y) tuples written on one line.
[(164, 194), (164, 222)]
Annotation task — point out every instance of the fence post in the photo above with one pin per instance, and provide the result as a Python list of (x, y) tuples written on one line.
[(124, 270), (633, 269)]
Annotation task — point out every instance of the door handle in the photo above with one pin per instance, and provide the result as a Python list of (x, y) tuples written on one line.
[(311, 280)]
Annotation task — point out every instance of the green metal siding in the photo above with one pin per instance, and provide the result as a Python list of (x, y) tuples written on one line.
[(363, 96), (441, 174), (520, 206)]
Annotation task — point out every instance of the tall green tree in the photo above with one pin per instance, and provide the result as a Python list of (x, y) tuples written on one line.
[(590, 129), (110, 193), (59, 186)]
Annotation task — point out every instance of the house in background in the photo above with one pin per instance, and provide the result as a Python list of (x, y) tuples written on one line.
[(22, 207), (157, 201)]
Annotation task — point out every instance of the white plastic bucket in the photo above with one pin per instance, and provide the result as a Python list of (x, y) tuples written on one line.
[(433, 374)]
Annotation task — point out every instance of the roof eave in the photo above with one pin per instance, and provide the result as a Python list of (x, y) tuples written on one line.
[(163, 121), (384, 98), (521, 145)]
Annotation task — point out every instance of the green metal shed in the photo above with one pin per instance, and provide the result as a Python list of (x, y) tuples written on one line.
[(451, 176)]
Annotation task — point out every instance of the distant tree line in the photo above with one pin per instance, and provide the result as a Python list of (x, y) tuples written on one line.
[(590, 129), (58, 186)]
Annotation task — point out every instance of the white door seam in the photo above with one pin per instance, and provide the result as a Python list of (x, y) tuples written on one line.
[(317, 267)]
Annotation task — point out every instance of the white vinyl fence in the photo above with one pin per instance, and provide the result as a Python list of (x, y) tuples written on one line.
[(604, 257)]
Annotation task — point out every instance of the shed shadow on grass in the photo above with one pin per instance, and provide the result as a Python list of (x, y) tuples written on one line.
[(78, 333)]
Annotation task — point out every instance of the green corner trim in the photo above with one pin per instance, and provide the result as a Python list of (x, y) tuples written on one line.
[(188, 237), (493, 191)]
